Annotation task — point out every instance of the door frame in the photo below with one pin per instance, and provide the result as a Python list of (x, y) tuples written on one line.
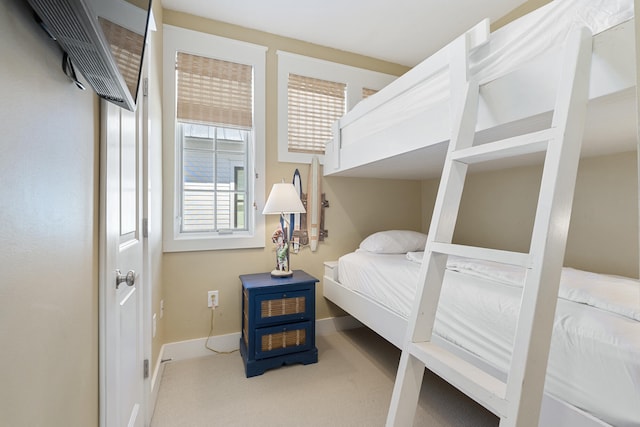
[(147, 295)]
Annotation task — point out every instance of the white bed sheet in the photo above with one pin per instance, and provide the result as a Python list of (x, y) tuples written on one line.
[(594, 361), (510, 47)]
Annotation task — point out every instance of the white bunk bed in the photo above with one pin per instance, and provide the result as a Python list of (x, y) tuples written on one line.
[(403, 132), (593, 378)]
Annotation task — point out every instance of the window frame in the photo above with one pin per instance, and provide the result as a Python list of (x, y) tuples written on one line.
[(177, 39), (355, 78)]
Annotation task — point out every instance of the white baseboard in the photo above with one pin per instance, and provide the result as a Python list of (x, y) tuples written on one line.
[(189, 349)]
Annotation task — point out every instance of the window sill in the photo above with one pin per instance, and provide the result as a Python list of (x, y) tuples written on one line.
[(189, 243)]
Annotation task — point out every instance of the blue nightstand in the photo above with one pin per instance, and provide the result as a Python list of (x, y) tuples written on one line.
[(278, 321)]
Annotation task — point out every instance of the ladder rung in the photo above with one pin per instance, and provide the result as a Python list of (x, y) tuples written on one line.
[(486, 254), (485, 389), (510, 147)]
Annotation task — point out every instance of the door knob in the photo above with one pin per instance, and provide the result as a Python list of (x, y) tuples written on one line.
[(129, 278)]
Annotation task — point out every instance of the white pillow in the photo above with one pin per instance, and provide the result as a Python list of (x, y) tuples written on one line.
[(394, 242)]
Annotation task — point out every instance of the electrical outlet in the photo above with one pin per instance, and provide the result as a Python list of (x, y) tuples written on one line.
[(212, 299)]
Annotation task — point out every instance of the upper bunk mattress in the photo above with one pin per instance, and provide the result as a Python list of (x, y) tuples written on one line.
[(594, 361)]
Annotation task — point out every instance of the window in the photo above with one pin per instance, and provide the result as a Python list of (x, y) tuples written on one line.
[(312, 95), (215, 142)]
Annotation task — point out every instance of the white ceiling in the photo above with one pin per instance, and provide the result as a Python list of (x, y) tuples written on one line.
[(400, 31)]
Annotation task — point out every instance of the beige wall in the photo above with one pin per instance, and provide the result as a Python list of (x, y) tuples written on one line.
[(358, 207), (497, 211), (603, 234), (49, 228), (48, 233)]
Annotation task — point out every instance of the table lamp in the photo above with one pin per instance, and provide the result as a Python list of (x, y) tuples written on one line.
[(283, 199)]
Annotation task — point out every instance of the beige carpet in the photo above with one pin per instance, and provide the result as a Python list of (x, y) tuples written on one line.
[(349, 386)]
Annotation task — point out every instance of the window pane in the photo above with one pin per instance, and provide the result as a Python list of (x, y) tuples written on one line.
[(226, 164), (198, 207), (197, 171), (198, 161), (214, 183)]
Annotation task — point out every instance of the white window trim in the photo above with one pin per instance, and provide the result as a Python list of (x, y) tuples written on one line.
[(355, 78), (196, 43)]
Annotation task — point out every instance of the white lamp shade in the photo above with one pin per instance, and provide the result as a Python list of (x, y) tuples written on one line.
[(283, 199)]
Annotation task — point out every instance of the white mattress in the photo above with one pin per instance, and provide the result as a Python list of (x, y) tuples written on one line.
[(511, 46), (594, 363)]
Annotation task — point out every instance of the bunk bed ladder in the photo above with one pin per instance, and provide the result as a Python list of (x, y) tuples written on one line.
[(516, 401)]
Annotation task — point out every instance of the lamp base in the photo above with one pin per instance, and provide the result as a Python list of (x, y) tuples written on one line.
[(281, 273)]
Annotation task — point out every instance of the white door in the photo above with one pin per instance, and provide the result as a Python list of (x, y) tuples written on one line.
[(121, 249)]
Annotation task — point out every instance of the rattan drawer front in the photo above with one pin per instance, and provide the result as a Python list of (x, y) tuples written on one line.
[(280, 340), (283, 307), (284, 339)]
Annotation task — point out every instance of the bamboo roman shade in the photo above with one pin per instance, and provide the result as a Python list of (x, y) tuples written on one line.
[(313, 106), (366, 92), (214, 92)]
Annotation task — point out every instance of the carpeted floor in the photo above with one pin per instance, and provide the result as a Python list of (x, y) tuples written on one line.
[(349, 386)]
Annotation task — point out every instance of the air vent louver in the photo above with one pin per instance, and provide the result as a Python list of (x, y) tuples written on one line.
[(78, 32)]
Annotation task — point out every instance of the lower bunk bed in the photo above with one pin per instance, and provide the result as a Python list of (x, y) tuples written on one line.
[(593, 375)]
